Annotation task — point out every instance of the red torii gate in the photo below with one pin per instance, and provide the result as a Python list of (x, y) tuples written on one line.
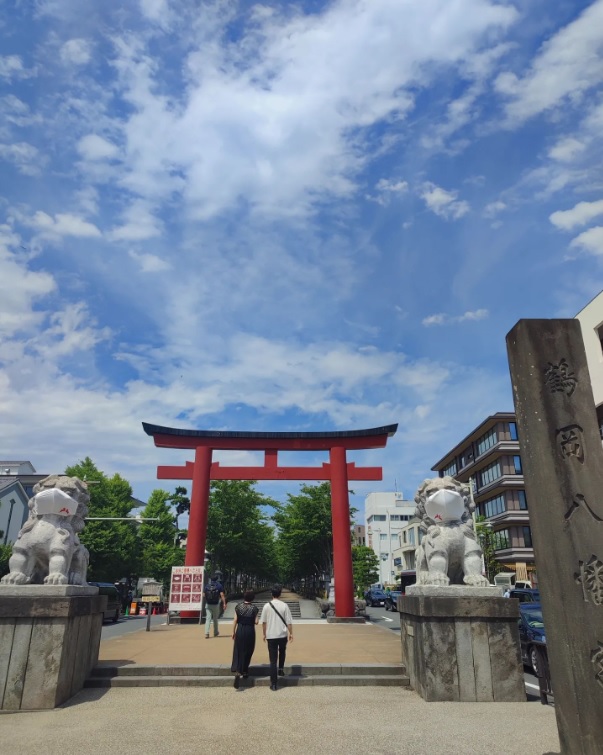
[(337, 470)]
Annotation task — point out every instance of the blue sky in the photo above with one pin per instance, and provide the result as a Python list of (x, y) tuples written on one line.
[(280, 216)]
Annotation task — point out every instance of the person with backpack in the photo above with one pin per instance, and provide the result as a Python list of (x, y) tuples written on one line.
[(277, 629), (214, 598)]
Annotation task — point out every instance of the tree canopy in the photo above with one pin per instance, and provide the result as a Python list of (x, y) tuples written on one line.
[(365, 566), (113, 545), (159, 551), (239, 535)]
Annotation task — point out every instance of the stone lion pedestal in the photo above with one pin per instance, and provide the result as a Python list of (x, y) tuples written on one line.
[(49, 643), (461, 644)]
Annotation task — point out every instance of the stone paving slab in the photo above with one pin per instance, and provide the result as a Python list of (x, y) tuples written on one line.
[(312, 643), (306, 720)]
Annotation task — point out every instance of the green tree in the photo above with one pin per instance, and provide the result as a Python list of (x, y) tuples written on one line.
[(158, 550), (5, 554), (365, 566), (239, 535), (305, 533), (113, 545), (485, 538)]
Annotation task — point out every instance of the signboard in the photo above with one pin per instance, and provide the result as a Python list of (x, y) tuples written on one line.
[(186, 588), (150, 599)]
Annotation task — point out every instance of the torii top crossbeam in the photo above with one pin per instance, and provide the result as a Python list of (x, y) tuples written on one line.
[(337, 470)]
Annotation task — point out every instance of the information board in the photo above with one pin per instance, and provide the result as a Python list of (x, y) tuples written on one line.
[(186, 588)]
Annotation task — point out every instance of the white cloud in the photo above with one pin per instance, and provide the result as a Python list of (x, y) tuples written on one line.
[(95, 147), (155, 10), (581, 214), (566, 67), (444, 319), (150, 263), (566, 149), (76, 51), (63, 224), (20, 289), (590, 241), (140, 224), (11, 66), (442, 202), (25, 157), (386, 189), (492, 209), (291, 103)]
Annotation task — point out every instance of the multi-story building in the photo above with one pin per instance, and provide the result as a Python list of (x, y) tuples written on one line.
[(409, 538), (359, 534), (489, 458), (17, 479), (385, 515)]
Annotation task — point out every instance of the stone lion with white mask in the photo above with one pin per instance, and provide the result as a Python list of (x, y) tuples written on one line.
[(48, 549), (449, 553)]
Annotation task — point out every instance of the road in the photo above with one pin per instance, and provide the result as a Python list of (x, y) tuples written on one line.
[(391, 620), (129, 624)]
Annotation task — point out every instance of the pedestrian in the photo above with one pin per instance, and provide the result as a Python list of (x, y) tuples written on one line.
[(214, 597), (243, 634), (507, 593), (277, 628)]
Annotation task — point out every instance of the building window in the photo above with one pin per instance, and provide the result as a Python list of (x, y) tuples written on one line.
[(486, 441), (383, 536), (517, 465), (406, 517), (450, 470), (493, 506), (420, 536), (411, 537), (466, 457), (489, 474), (521, 496), (377, 518), (527, 537), (395, 517), (501, 540), (513, 430)]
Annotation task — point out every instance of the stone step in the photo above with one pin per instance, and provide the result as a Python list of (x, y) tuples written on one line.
[(294, 606), (109, 671), (335, 680)]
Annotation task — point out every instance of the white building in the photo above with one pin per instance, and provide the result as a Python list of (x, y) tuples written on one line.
[(385, 515)]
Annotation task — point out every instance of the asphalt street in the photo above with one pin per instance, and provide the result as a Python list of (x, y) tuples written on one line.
[(129, 624)]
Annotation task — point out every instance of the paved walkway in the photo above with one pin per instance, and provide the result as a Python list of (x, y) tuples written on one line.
[(304, 720)]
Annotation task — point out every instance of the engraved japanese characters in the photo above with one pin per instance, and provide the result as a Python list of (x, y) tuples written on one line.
[(449, 553), (48, 549)]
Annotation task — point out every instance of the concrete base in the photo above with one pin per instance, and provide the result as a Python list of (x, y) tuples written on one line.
[(50, 638), (461, 647)]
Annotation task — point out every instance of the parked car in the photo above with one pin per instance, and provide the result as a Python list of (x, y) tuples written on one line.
[(113, 609), (526, 596), (532, 637), (391, 600), (375, 597)]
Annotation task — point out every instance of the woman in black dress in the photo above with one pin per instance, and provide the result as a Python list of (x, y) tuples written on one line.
[(243, 634)]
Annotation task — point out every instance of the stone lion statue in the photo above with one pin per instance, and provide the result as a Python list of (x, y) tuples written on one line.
[(48, 549), (449, 552)]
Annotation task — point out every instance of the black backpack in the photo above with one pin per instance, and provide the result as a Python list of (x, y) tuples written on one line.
[(212, 593)]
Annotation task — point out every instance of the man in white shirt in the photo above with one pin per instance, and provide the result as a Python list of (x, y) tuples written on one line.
[(277, 629)]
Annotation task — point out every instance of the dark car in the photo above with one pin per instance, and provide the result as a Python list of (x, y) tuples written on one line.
[(375, 597), (391, 600), (532, 637), (526, 596), (113, 609)]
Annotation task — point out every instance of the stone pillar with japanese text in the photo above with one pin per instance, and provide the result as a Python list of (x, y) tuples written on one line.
[(562, 460)]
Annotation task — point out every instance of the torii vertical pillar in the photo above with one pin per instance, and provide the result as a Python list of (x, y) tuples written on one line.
[(342, 542)]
